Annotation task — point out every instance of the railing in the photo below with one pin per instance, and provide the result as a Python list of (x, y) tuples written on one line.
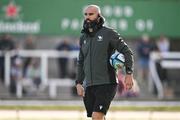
[(44, 55), (168, 60)]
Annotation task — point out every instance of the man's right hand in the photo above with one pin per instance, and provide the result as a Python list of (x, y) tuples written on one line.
[(80, 90)]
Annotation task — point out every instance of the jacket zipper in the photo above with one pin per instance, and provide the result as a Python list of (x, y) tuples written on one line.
[(91, 61)]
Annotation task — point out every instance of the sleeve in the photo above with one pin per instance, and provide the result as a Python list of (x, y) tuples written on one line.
[(80, 64), (118, 43)]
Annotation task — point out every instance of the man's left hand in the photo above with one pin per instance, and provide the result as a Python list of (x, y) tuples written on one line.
[(128, 81)]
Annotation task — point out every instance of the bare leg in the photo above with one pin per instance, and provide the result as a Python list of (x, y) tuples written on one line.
[(98, 116)]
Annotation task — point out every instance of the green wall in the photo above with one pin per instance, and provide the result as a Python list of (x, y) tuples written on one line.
[(64, 17)]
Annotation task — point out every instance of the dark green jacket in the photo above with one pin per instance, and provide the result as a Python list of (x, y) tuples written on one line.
[(95, 51)]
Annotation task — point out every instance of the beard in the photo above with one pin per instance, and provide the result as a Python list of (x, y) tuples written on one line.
[(90, 24)]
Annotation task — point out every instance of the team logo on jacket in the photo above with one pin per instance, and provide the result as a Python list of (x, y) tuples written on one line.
[(84, 41), (100, 107), (100, 38)]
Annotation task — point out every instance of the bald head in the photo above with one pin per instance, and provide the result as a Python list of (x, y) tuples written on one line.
[(92, 12), (94, 8)]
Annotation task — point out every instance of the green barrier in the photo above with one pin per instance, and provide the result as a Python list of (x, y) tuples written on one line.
[(64, 17)]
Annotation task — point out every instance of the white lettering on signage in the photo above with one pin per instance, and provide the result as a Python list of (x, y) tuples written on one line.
[(20, 27), (118, 17), (142, 25)]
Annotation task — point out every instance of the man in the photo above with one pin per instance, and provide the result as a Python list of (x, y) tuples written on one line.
[(6, 44), (97, 43), (63, 61)]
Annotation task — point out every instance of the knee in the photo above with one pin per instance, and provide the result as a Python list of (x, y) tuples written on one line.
[(97, 116)]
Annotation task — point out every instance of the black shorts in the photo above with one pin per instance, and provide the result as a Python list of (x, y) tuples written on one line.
[(98, 98)]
